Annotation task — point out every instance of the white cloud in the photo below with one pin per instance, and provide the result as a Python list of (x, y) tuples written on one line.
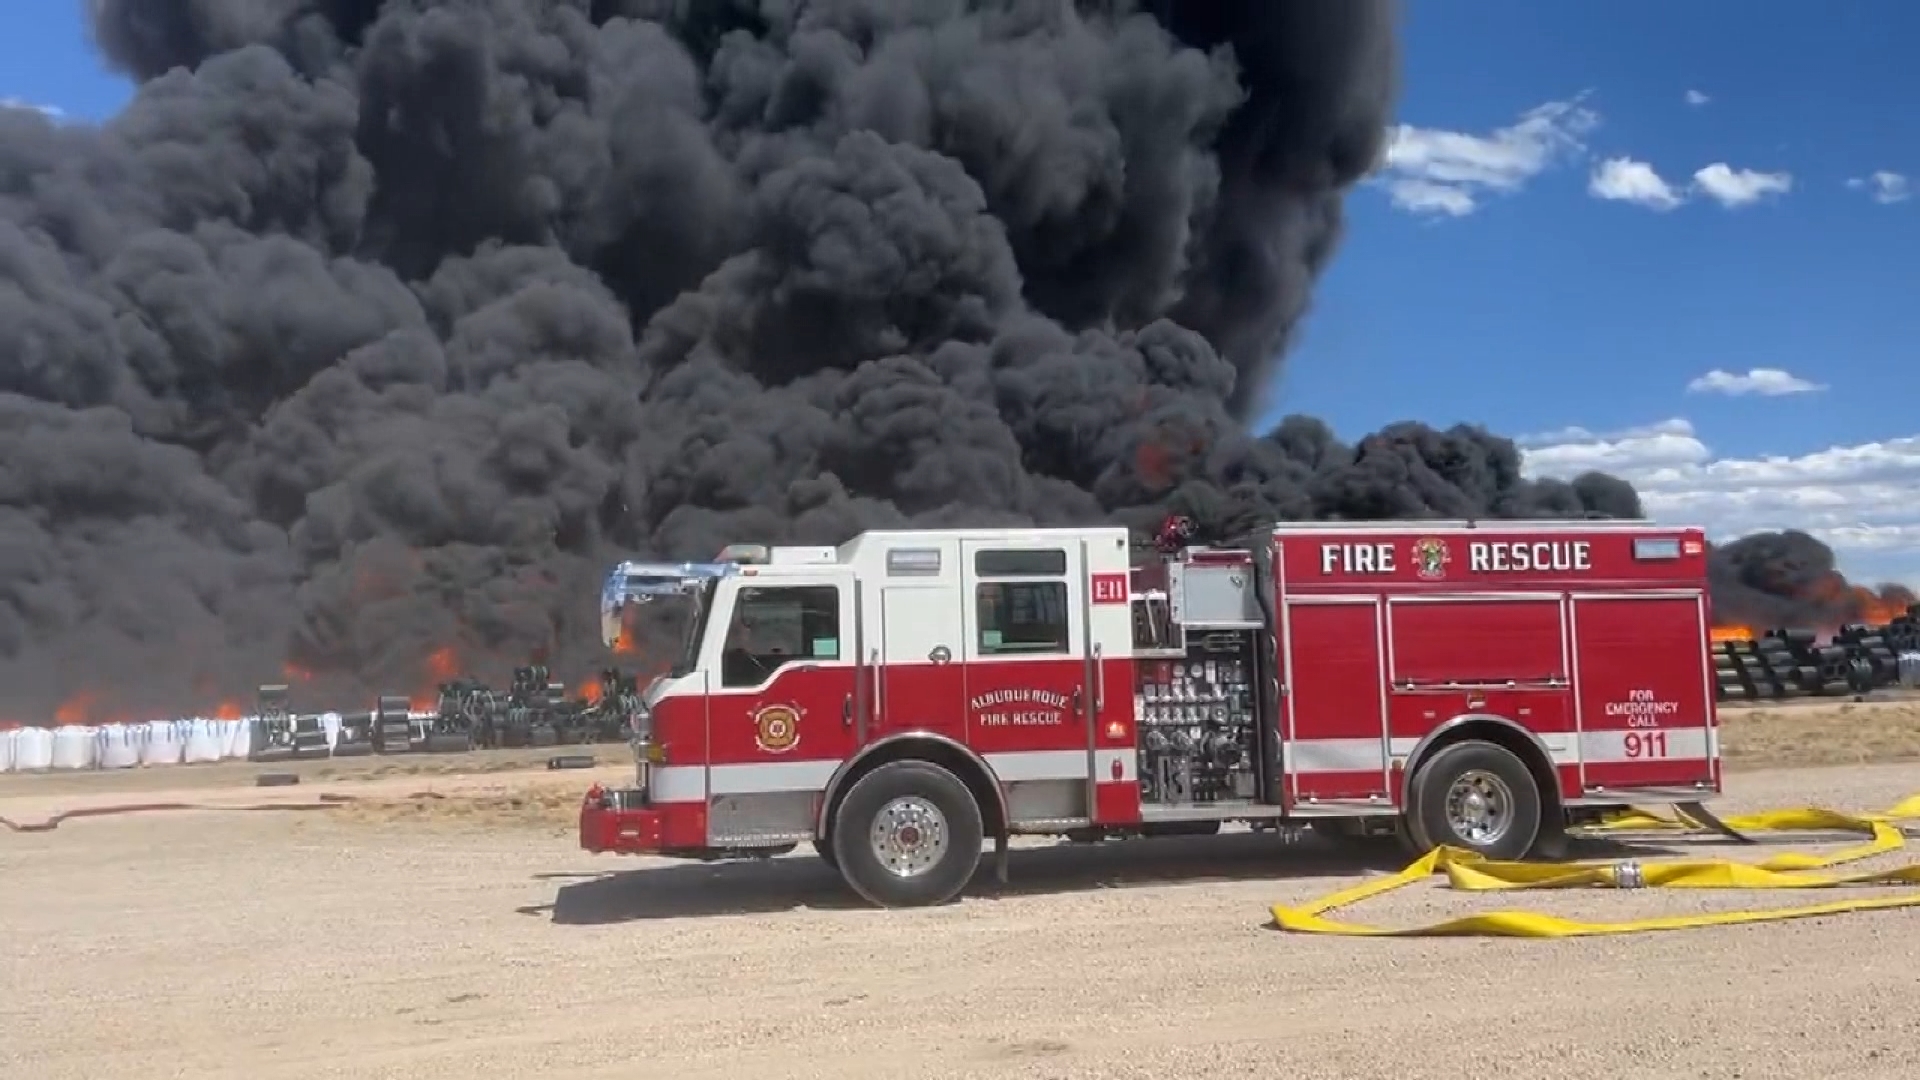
[(1885, 187), (1574, 450), (1438, 172), (1734, 188), (1622, 179), (1695, 97), (1425, 197), (50, 111), (1859, 499), (1767, 382)]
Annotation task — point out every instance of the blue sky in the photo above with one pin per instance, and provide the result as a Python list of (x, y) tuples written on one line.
[(1590, 207), (1548, 310)]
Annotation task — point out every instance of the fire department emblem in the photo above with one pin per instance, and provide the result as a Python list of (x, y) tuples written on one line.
[(1430, 557), (776, 728)]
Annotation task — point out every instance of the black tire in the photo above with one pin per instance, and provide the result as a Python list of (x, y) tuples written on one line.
[(860, 812), (1427, 820), (824, 849), (447, 743)]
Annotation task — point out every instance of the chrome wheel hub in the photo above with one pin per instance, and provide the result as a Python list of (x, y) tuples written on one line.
[(1479, 808), (909, 836)]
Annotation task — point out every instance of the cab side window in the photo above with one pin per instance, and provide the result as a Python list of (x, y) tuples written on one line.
[(776, 625), (1021, 617)]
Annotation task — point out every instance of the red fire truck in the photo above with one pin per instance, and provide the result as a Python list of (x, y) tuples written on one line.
[(899, 699)]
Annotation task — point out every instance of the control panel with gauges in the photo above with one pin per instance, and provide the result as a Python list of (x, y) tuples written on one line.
[(1198, 723)]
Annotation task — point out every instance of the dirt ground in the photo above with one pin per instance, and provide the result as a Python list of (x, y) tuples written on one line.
[(1815, 732), (462, 934)]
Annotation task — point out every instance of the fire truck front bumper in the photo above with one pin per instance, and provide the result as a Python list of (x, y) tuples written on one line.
[(619, 821)]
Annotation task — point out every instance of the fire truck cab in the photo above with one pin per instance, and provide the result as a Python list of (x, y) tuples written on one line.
[(900, 699)]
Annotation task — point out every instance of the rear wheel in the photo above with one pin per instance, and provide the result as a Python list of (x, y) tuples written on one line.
[(908, 834), (1474, 795)]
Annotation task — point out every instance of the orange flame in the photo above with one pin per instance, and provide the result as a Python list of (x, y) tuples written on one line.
[(1879, 608), (1841, 603), (78, 709), (443, 665)]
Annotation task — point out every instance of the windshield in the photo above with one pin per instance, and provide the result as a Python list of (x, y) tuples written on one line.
[(698, 606)]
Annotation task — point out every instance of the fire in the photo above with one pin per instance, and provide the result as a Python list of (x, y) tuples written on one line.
[(78, 709), (1882, 606), (1827, 604), (443, 665)]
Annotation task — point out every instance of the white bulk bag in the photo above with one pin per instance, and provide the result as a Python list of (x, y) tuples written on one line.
[(163, 745), (118, 745), (32, 749), (330, 723), (73, 747), (206, 740), (7, 739), (240, 737)]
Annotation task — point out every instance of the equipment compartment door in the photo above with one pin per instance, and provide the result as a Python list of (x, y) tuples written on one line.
[(1490, 654), (1336, 748), (1643, 687)]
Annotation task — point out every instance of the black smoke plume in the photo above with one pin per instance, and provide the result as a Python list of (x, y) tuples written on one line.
[(1770, 580), (374, 328)]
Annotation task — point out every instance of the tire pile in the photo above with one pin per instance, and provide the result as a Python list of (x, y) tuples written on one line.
[(533, 712), (1780, 664)]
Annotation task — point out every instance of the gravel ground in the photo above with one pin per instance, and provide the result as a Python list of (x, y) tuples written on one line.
[(265, 946)]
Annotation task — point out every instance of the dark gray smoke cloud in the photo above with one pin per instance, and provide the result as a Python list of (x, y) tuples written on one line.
[(1770, 580), (370, 328)]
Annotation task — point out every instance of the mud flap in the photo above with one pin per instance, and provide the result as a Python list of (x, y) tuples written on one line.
[(1000, 858), (1698, 814)]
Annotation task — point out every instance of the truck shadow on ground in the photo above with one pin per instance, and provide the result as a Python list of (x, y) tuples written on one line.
[(802, 882)]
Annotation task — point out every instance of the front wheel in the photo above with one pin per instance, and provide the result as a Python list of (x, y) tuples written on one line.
[(908, 835), (1474, 795)]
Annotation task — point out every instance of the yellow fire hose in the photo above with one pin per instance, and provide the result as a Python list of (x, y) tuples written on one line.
[(1469, 872)]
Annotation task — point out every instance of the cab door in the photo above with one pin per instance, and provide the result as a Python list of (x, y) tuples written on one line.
[(783, 702), (1028, 702)]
